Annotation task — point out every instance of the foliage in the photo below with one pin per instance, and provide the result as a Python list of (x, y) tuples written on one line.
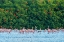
[(31, 13)]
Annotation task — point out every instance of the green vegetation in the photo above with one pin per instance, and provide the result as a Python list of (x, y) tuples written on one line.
[(31, 13)]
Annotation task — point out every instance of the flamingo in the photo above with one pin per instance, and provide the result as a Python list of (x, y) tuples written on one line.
[(54, 30), (23, 30), (49, 30)]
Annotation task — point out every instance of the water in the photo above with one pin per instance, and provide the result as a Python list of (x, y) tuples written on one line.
[(32, 37)]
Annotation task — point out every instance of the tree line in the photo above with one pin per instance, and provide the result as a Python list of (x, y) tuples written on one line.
[(31, 13)]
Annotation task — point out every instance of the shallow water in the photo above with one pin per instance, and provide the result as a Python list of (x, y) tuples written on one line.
[(32, 37)]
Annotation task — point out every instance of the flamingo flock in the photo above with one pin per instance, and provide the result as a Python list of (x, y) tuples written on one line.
[(5, 30), (27, 31), (53, 30), (31, 30)]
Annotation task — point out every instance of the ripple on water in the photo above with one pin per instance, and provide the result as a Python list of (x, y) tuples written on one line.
[(32, 37)]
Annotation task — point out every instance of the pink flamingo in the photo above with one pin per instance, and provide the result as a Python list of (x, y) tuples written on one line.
[(49, 30), (54, 30), (23, 30)]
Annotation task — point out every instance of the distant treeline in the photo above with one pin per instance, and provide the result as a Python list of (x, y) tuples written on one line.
[(31, 13)]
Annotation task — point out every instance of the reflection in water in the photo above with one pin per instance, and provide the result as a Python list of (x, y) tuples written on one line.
[(32, 37)]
